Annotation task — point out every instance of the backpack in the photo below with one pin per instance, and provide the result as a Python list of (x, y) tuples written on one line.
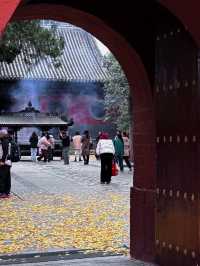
[(15, 152)]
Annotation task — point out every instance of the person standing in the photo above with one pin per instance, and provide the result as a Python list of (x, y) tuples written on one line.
[(33, 143), (43, 144), (77, 146), (105, 149), (51, 149), (119, 150), (126, 150), (85, 140), (64, 136), (5, 176), (97, 140)]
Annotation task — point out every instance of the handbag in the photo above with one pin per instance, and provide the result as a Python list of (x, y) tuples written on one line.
[(115, 170), (8, 161)]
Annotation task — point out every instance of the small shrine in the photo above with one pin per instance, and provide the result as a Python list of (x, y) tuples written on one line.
[(31, 117)]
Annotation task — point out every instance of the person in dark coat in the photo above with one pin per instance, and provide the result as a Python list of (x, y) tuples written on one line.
[(5, 177), (85, 140), (64, 136), (33, 143)]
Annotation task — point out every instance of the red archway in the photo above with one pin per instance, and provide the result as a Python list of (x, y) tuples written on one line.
[(144, 133), (142, 195)]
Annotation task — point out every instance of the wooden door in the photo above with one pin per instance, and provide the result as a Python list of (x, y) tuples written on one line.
[(178, 157)]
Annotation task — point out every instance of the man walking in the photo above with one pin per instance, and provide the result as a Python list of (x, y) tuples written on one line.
[(77, 146), (64, 136), (85, 140), (33, 143)]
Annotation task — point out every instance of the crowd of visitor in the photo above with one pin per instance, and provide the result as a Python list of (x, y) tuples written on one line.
[(107, 150)]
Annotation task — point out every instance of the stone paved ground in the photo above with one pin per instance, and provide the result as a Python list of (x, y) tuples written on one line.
[(55, 197), (57, 178), (56, 206)]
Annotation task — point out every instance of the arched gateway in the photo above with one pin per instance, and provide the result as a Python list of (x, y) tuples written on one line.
[(164, 199)]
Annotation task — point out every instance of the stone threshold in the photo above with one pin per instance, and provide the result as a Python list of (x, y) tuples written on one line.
[(36, 257)]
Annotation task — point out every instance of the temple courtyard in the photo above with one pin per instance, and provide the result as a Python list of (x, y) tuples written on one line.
[(57, 207)]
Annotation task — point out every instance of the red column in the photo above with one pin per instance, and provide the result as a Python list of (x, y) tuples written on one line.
[(6, 11), (142, 197)]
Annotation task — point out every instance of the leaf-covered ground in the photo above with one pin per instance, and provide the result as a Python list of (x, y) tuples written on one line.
[(46, 222)]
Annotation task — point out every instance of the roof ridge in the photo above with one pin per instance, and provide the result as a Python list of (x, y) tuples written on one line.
[(81, 61)]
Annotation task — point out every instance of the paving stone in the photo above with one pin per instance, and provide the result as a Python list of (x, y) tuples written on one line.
[(57, 178)]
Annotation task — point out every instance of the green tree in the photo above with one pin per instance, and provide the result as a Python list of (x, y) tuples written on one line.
[(117, 96), (33, 40)]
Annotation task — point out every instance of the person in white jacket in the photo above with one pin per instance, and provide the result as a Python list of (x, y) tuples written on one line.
[(105, 149), (43, 145)]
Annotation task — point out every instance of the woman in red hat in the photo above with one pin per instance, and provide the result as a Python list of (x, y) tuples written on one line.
[(105, 149)]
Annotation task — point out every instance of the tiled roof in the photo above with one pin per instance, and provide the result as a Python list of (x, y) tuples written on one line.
[(81, 60), (30, 120)]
